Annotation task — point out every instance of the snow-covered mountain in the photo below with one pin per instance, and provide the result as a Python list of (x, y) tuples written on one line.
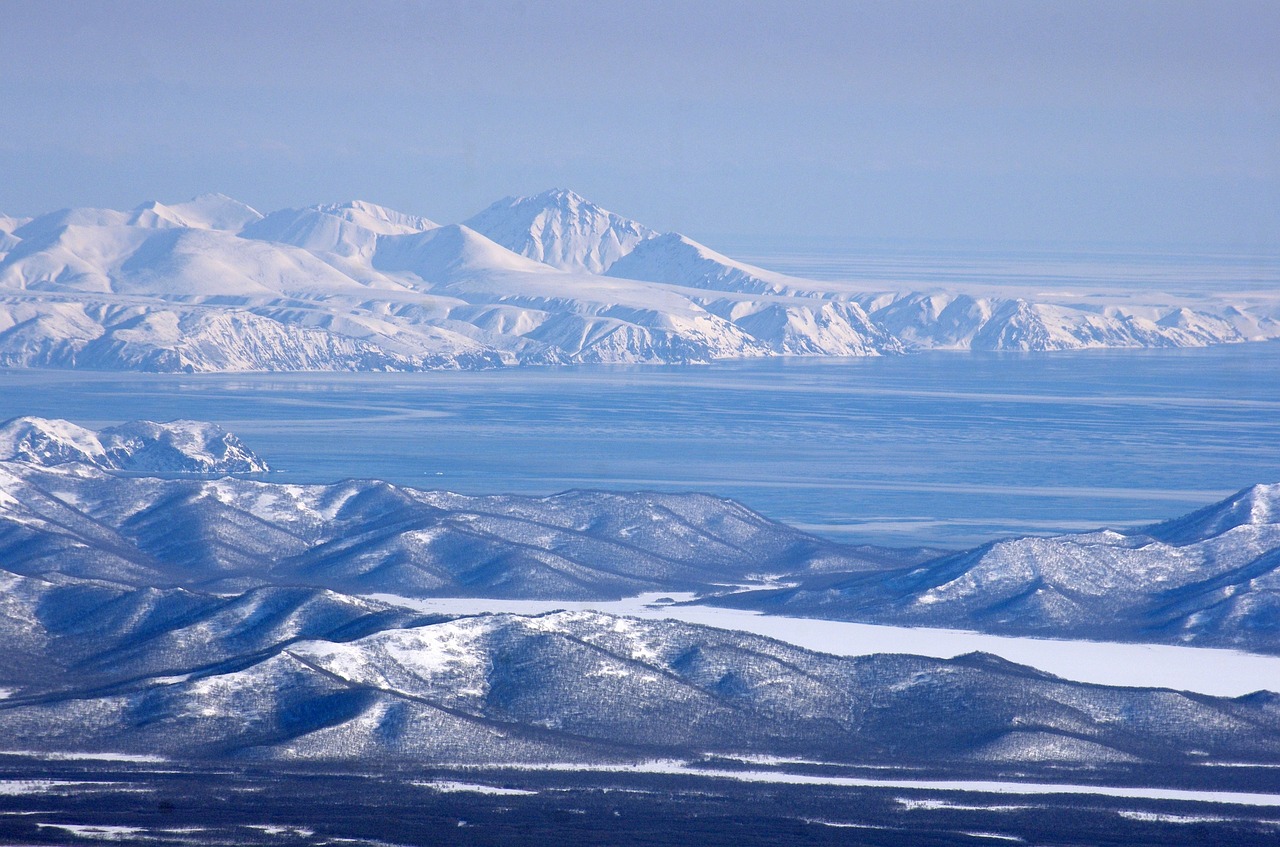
[(7, 239), (8, 223), (1212, 578), (951, 321), (298, 675), (233, 619), (208, 211), (64, 634), (809, 327), (347, 229), (1209, 578), (561, 229), (678, 260), (453, 253), (172, 447), (370, 537), (212, 285)]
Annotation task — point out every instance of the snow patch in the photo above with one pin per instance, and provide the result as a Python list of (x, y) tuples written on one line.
[(144, 758), (670, 766), (100, 831), (451, 787), (18, 787), (281, 829)]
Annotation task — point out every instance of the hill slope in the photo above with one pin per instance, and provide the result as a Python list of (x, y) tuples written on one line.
[(176, 446), (1210, 578)]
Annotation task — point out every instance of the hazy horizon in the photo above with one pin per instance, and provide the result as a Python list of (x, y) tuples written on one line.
[(983, 122)]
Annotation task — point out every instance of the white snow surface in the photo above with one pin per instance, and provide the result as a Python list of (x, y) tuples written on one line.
[(212, 285), (86, 756), (208, 211), (107, 832), (678, 260), (446, 786), (16, 787), (672, 766)]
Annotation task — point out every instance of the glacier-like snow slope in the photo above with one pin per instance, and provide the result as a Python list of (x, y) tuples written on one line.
[(175, 446), (212, 285), (1209, 578)]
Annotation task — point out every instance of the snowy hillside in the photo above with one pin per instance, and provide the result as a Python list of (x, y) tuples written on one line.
[(235, 620), (952, 321), (302, 675), (213, 285), (347, 230), (370, 537), (675, 259), (1209, 578), (176, 446)]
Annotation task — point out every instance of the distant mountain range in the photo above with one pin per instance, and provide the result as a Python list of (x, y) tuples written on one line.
[(213, 285)]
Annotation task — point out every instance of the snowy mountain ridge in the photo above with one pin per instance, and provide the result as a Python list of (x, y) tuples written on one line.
[(675, 259), (172, 447), (213, 285), (296, 676), (237, 620), (370, 537), (1209, 578)]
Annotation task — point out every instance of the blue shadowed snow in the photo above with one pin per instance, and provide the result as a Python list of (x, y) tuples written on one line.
[(944, 449)]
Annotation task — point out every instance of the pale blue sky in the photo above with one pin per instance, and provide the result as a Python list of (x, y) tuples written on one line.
[(1040, 121)]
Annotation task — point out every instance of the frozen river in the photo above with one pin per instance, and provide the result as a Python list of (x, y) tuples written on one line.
[(945, 449)]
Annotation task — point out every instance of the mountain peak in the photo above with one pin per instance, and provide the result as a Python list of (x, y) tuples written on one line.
[(379, 219), (560, 228), (1257, 505), (8, 223), (204, 211), (350, 229), (563, 197), (45, 441)]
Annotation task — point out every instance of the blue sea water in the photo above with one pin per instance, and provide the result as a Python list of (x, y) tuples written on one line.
[(943, 449)]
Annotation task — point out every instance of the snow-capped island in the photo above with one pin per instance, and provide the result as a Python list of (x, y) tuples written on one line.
[(213, 285)]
